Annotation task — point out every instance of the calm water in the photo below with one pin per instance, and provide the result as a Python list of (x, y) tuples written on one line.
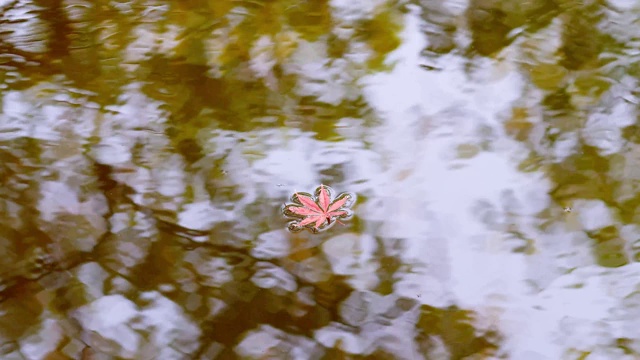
[(147, 149)]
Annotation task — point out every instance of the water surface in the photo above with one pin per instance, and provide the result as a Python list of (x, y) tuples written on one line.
[(147, 149)]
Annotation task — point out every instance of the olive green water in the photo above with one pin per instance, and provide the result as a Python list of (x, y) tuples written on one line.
[(135, 145)]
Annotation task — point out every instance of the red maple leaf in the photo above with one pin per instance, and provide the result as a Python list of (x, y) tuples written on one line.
[(319, 212)]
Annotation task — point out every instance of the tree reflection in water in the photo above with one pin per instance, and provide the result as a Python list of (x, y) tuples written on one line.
[(147, 147)]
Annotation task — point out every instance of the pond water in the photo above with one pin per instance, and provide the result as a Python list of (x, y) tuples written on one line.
[(148, 148)]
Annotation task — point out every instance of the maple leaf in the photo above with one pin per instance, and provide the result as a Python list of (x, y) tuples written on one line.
[(318, 212)]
